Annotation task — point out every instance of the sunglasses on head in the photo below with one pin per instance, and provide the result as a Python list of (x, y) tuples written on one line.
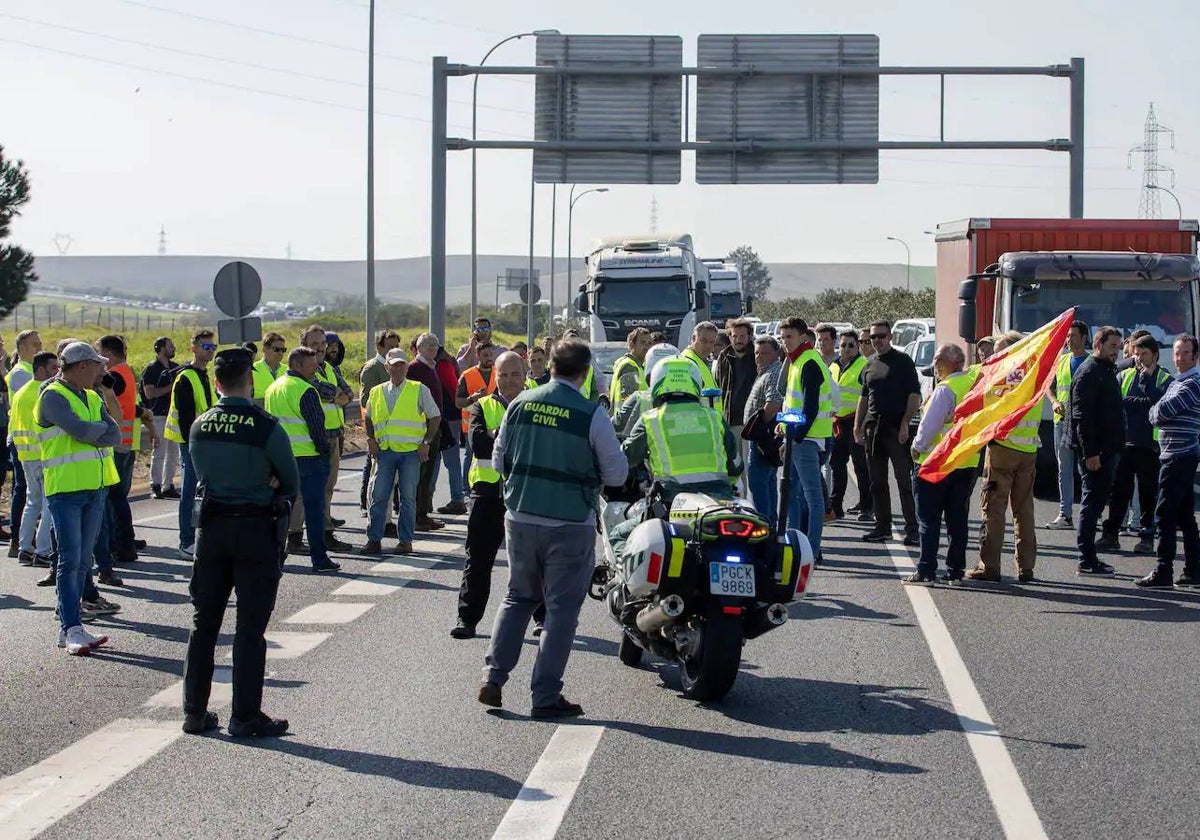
[(207, 346)]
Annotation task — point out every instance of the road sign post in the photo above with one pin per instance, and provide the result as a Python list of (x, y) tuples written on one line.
[(237, 290)]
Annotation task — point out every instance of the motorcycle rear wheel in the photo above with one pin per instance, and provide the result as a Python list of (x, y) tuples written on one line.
[(709, 674), (629, 653)]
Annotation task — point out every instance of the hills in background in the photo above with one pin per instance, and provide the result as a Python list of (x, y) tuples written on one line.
[(189, 278)]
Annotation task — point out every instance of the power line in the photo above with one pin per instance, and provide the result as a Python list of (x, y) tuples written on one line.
[(237, 62), (983, 163), (1150, 205)]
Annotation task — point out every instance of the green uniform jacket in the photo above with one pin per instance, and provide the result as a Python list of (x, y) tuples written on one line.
[(237, 448)]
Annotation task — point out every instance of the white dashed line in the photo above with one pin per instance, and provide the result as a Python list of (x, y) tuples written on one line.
[(369, 588), (543, 800), (328, 612), (221, 695), (288, 645)]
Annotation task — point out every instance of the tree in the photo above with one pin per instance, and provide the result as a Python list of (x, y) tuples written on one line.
[(756, 279), (16, 264)]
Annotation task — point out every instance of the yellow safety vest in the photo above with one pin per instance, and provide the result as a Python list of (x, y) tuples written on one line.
[(70, 465), (615, 395), (1024, 437), (263, 378), (1160, 379), (200, 395), (20, 365), (22, 422), (1063, 377), (793, 400), (849, 385), (686, 442), (335, 418), (529, 383), (481, 468), (706, 376), (958, 385), (282, 401), (402, 429)]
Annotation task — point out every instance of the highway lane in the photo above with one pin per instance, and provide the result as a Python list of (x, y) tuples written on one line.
[(840, 723)]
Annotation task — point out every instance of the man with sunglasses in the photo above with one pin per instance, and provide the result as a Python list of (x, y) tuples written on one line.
[(847, 371), (157, 379), (481, 335), (270, 367), (891, 397), (191, 395)]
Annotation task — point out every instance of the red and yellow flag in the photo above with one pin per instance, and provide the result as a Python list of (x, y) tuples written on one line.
[(1010, 383)]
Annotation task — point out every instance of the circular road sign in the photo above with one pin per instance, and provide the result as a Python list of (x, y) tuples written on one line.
[(530, 293), (237, 289)]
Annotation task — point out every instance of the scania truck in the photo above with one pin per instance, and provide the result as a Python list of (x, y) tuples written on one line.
[(651, 281), (995, 275)]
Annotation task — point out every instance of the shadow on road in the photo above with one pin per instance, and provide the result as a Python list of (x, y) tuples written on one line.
[(831, 606)]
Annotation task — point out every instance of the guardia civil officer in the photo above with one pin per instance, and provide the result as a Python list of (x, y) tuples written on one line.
[(244, 464)]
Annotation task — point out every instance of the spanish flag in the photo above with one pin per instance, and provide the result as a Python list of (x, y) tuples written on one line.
[(1010, 383)]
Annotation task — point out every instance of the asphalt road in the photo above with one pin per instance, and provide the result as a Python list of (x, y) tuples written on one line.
[(1065, 707)]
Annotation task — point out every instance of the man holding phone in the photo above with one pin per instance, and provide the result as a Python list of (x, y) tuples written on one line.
[(481, 334)]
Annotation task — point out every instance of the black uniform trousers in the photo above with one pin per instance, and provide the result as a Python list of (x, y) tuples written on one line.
[(845, 451), (1140, 462), (485, 535), (239, 554), (885, 449)]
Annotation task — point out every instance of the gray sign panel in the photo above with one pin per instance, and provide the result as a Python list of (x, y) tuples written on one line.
[(802, 107), (237, 289), (612, 108), (515, 278), (239, 330)]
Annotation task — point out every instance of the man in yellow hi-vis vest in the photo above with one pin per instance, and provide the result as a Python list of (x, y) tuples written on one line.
[(77, 435), (191, 395)]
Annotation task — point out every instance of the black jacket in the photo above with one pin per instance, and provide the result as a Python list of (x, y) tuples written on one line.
[(735, 377), (1096, 409)]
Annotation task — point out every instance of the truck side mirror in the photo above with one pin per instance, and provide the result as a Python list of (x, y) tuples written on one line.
[(749, 305), (966, 309), (701, 295), (581, 304)]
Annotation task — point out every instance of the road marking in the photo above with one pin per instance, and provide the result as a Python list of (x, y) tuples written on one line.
[(1008, 794), (39, 796), (543, 800), (221, 694), (402, 564), (328, 612), (370, 588), (288, 645), (146, 519)]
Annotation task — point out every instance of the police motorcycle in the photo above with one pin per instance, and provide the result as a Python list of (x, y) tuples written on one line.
[(694, 581)]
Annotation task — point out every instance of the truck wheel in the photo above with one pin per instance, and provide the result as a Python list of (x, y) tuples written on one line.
[(629, 653), (710, 673)]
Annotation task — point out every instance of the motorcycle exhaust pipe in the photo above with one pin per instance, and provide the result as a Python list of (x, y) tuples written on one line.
[(656, 616), (760, 622)]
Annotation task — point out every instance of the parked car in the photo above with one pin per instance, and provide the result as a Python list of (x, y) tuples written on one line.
[(921, 352), (907, 330)]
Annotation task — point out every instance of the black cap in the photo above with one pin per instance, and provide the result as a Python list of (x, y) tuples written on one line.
[(232, 365), (233, 356)]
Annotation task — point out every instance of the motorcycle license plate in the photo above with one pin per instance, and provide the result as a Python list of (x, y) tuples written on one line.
[(731, 579)]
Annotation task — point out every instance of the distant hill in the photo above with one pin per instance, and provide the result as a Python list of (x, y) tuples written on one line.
[(189, 278)]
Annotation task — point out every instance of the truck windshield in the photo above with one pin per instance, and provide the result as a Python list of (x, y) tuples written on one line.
[(1163, 309), (725, 305), (636, 297)]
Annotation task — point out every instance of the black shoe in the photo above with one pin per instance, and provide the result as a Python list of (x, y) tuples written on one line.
[(332, 543), (866, 516), (125, 557), (25, 558), (1188, 578), (5, 536), (139, 545), (490, 695), (919, 577), (955, 579), (1025, 576), (560, 708), (1097, 568), (49, 580), (912, 539), (1160, 578), (538, 629), (337, 523), (462, 630), (199, 723), (41, 561), (327, 568), (109, 579), (856, 509), (1108, 542), (171, 493), (457, 508), (260, 727), (874, 536), (156, 492), (390, 532), (14, 549), (295, 545)]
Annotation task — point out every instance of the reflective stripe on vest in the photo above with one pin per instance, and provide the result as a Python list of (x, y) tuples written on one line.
[(282, 401), (335, 418), (958, 385), (481, 468), (22, 423), (1161, 378), (70, 465), (200, 396), (131, 429), (263, 378), (474, 379), (793, 400), (1024, 436), (615, 395), (849, 385), (687, 443), (403, 428), (706, 376)]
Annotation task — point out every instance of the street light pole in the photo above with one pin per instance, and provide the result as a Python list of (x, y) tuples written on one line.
[(370, 314), (572, 198), (529, 330), (1178, 206), (908, 261), (474, 181), (553, 276)]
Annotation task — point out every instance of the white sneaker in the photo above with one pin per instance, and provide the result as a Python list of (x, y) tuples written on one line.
[(80, 642), (188, 552)]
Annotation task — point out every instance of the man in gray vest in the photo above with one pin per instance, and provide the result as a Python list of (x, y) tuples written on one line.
[(555, 449)]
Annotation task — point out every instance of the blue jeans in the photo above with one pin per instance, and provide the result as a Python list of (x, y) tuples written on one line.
[(404, 467), (763, 478), (77, 524), (806, 507), (121, 535), (187, 493), (102, 550), (1066, 469), (18, 490), (314, 472), (453, 464)]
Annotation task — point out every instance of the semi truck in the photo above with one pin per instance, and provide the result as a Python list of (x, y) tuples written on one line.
[(726, 298), (995, 275), (652, 281)]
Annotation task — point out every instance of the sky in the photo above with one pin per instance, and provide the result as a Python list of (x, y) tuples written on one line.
[(239, 126)]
